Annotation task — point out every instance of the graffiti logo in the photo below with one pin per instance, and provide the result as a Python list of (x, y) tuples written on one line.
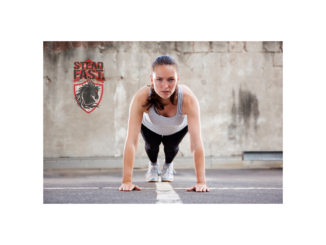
[(88, 93)]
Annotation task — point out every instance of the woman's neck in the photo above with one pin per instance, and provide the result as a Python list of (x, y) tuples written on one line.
[(166, 102)]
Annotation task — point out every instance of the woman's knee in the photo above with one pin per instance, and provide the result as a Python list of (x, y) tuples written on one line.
[(152, 147), (171, 148)]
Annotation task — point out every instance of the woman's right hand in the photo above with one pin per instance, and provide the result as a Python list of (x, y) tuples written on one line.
[(128, 187)]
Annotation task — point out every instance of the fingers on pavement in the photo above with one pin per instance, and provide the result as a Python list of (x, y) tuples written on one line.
[(127, 188), (191, 188)]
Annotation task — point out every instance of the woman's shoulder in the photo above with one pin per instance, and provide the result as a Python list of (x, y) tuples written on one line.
[(185, 89), (188, 98), (141, 93), (141, 96), (187, 93)]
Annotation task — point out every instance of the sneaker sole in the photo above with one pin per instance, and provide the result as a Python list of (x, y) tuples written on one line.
[(152, 180), (167, 180)]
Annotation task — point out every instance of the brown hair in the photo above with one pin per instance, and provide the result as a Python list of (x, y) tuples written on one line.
[(154, 99)]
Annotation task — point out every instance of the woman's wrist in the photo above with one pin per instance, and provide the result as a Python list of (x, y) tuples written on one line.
[(126, 182), (201, 183), (201, 180)]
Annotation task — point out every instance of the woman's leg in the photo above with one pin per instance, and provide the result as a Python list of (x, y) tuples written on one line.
[(152, 143), (171, 144)]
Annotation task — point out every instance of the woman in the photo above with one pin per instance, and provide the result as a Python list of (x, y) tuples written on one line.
[(165, 112)]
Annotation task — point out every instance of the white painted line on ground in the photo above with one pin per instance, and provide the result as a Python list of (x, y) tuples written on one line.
[(238, 188), (118, 188), (87, 188), (70, 188), (177, 188), (166, 194)]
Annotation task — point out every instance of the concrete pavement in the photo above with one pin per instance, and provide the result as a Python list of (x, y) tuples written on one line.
[(226, 186)]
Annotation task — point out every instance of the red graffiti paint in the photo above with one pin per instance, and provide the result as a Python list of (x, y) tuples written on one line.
[(88, 84)]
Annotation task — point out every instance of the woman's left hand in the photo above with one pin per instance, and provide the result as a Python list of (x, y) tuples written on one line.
[(199, 188)]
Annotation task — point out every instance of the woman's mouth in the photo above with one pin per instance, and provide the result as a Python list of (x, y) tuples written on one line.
[(165, 92)]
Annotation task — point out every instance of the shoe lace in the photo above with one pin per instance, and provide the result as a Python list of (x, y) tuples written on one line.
[(167, 168), (154, 169)]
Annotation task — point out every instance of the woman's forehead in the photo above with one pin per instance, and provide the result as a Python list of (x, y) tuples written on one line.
[(165, 70)]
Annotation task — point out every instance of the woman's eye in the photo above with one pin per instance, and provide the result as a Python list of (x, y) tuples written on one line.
[(159, 79)]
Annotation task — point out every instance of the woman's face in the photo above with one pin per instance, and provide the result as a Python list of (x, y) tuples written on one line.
[(165, 79)]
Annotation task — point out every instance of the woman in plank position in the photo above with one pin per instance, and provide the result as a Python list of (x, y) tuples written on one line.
[(163, 112)]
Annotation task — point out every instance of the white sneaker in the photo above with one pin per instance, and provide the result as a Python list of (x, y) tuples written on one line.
[(167, 172), (153, 172)]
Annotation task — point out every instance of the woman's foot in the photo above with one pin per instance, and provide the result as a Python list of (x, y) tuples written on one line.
[(153, 172), (167, 172)]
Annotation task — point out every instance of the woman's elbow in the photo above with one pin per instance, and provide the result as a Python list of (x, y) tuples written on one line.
[(196, 146)]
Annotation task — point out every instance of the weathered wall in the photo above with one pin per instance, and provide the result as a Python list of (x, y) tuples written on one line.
[(239, 86)]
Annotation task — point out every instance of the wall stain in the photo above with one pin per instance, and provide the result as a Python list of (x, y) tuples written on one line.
[(246, 108), (233, 125)]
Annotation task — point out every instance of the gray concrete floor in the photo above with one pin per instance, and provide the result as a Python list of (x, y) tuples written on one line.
[(101, 186)]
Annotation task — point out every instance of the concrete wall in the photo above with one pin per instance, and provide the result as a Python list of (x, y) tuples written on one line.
[(239, 86)]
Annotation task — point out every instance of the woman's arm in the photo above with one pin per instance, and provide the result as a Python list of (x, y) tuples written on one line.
[(196, 144), (131, 145)]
